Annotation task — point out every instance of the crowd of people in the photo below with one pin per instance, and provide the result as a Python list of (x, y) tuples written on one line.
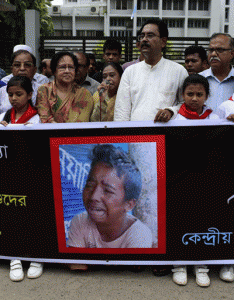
[(70, 89)]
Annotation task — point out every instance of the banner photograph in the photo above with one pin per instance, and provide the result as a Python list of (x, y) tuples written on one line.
[(146, 194), (101, 211)]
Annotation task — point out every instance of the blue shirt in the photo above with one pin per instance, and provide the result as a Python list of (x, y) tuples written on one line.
[(2, 83), (220, 91)]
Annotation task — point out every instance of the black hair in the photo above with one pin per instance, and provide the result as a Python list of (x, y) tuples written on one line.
[(119, 160), (57, 56), (15, 54), (91, 56), (112, 44), (23, 82), (196, 49), (116, 66), (197, 79), (162, 27)]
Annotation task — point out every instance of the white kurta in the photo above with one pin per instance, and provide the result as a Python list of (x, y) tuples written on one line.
[(225, 109), (144, 89)]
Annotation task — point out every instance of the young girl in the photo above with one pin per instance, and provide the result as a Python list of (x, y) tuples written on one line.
[(19, 89), (195, 92)]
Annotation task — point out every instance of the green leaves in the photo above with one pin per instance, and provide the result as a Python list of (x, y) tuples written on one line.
[(16, 20)]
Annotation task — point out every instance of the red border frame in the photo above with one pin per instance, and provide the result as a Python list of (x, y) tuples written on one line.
[(161, 177)]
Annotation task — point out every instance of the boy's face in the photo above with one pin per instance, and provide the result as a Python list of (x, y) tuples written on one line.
[(112, 56), (195, 97), (194, 64), (104, 196)]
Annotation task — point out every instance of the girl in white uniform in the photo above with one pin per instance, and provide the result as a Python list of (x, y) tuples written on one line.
[(19, 89), (195, 92)]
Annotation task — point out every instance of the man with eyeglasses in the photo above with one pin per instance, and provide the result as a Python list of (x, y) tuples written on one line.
[(38, 78), (23, 64), (151, 89), (220, 74), (82, 78)]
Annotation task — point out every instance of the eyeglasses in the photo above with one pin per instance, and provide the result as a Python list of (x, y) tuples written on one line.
[(148, 36), (217, 50), (26, 65), (63, 68)]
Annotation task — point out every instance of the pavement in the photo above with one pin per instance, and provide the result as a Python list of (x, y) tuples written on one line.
[(108, 283)]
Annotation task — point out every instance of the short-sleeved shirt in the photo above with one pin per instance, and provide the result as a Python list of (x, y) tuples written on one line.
[(83, 233)]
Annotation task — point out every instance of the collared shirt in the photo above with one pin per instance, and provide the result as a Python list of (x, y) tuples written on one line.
[(90, 84), (4, 100), (38, 78), (144, 89), (220, 91)]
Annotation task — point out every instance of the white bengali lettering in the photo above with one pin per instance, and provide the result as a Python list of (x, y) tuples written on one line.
[(76, 171)]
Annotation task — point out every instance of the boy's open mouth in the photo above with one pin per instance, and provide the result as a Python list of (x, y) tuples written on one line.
[(96, 211)]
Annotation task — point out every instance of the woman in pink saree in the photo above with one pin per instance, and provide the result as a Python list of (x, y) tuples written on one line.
[(63, 100)]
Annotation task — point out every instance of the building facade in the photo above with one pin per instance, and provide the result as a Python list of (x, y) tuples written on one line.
[(185, 18)]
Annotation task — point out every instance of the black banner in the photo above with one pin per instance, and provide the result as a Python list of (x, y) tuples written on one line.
[(44, 170)]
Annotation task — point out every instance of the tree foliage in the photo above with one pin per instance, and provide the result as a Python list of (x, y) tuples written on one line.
[(15, 21)]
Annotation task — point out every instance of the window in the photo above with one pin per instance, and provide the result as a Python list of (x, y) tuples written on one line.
[(203, 5), (89, 33), (226, 14), (153, 4), (167, 4), (117, 22), (178, 4), (227, 2), (192, 5), (173, 4), (198, 5), (121, 33), (174, 23), (226, 29), (121, 4), (198, 23), (143, 4), (141, 21)]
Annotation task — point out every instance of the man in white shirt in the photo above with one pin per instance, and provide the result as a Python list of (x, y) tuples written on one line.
[(23, 64), (151, 89), (37, 78), (220, 74)]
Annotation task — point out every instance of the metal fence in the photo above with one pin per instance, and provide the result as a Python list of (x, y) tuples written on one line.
[(174, 51)]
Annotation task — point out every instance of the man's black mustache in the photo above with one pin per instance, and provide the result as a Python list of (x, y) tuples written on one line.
[(145, 44)]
